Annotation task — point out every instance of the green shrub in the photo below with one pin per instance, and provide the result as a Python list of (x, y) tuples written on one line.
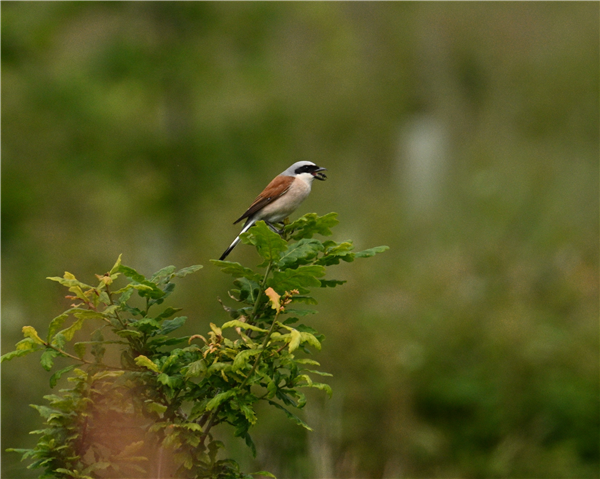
[(142, 401)]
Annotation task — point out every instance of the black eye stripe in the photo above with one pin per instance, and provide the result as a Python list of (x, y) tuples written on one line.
[(306, 169)]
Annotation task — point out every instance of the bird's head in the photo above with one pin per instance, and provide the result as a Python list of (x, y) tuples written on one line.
[(306, 168)]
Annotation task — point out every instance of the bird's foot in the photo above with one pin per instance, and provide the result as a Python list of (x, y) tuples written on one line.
[(272, 226)]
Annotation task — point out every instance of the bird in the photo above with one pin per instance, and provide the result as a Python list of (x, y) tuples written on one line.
[(280, 198)]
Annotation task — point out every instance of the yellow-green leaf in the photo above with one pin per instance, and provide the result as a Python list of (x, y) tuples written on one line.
[(296, 338), (30, 332), (142, 360), (243, 357), (311, 339), (69, 332), (15, 354), (25, 344), (116, 266), (236, 323), (107, 374), (155, 407)]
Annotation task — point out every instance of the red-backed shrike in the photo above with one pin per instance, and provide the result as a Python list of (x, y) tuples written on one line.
[(280, 198)]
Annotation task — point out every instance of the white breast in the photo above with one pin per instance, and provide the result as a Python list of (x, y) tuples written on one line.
[(284, 206)]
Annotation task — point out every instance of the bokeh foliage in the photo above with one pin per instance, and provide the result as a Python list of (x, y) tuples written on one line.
[(463, 135)]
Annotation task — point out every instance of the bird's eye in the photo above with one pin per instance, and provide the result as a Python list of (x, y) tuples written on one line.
[(304, 169)]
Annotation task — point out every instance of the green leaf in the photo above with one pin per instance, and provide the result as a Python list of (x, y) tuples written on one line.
[(25, 452), (219, 399), (312, 362), (172, 324), (15, 354), (271, 389), (80, 349), (290, 416), (171, 381), (269, 244), (236, 270), (166, 341), (311, 224), (192, 426), (320, 373), (162, 274), (131, 273), (335, 252), (248, 413), (340, 249), (125, 294), (146, 325), (115, 268), (195, 368), (243, 357), (69, 332), (371, 251), (144, 287), (149, 290), (129, 333), (216, 367), (44, 411), (291, 320), (302, 298), (302, 252), (307, 329), (56, 376), (144, 361), (59, 341), (300, 312), (331, 283), (47, 359), (250, 444), (98, 348), (236, 323), (198, 409), (248, 290), (57, 322), (190, 269), (322, 387), (167, 313), (310, 339), (301, 278)]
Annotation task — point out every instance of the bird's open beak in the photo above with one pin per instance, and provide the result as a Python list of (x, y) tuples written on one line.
[(318, 175)]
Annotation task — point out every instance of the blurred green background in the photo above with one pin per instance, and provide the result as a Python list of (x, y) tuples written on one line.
[(462, 135)]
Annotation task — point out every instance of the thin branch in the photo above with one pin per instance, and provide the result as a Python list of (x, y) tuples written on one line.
[(109, 294), (84, 361), (260, 292)]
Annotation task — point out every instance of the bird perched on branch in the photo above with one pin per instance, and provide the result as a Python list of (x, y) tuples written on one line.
[(280, 198)]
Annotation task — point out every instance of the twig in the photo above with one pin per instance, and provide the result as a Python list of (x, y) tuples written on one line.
[(260, 292)]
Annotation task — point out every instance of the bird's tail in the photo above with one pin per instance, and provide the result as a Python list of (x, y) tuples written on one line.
[(246, 227)]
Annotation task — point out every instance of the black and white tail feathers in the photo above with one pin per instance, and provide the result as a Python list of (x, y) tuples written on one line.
[(246, 227)]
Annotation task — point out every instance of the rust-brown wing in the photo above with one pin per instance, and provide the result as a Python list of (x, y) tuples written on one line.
[(277, 188)]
